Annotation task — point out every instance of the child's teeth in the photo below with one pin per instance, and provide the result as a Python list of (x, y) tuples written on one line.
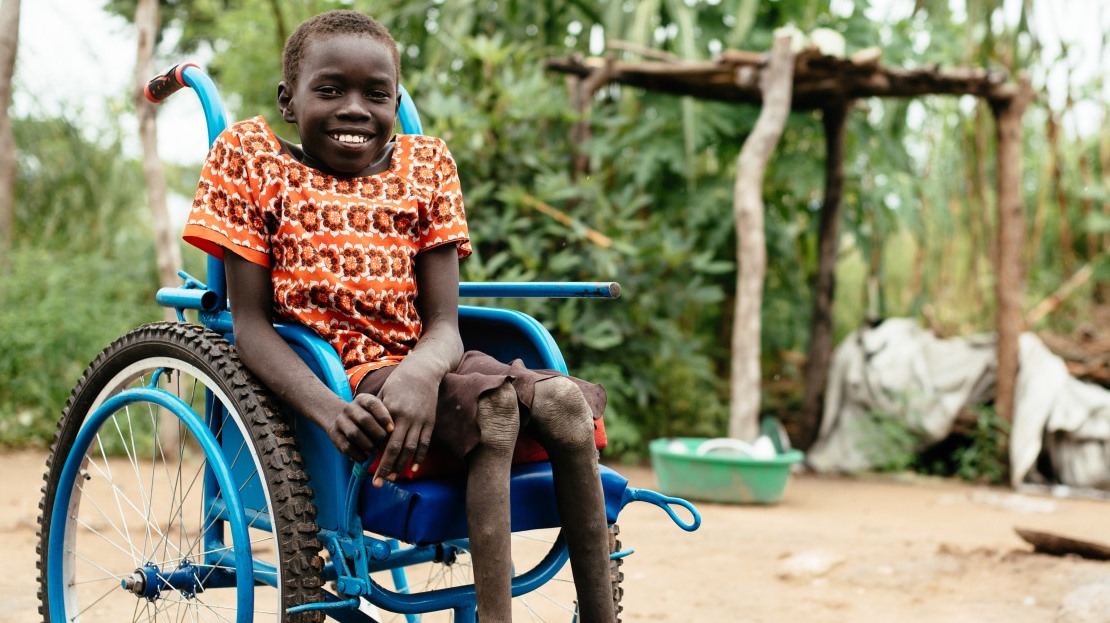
[(350, 138)]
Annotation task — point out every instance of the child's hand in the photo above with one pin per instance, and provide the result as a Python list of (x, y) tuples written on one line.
[(362, 427), (410, 396)]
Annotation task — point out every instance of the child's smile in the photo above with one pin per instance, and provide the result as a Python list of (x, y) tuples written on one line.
[(344, 104)]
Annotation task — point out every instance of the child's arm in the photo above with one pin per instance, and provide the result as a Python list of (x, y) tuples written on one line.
[(356, 427), (411, 392)]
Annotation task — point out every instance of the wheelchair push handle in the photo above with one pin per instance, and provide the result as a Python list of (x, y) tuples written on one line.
[(161, 87)]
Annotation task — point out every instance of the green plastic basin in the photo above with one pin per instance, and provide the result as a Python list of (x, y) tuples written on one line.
[(717, 477)]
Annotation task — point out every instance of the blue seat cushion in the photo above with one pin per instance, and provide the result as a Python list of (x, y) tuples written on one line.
[(434, 510)]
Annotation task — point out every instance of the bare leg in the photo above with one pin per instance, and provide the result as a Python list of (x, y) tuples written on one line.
[(563, 423), (487, 503)]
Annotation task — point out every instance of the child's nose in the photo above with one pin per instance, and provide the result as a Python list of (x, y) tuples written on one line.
[(353, 106)]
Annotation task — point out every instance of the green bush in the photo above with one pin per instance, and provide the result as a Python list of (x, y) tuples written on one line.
[(81, 273), (61, 309)]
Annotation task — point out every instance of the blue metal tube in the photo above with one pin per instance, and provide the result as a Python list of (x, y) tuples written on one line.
[(632, 494), (215, 118), (188, 298), (407, 115), (460, 598), (570, 289)]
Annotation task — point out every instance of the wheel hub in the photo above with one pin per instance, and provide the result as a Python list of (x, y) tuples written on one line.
[(150, 581)]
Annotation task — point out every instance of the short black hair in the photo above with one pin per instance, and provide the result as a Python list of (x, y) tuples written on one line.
[(333, 23)]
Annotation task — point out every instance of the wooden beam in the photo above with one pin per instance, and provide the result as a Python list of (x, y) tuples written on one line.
[(834, 118), (1010, 274), (733, 76)]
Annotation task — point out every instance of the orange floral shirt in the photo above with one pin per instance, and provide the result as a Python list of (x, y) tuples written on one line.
[(340, 250)]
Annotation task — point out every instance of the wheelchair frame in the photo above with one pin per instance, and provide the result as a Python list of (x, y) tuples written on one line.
[(339, 510)]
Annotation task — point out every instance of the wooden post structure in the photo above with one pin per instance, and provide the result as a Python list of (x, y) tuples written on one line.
[(834, 117), (1010, 273), (776, 85), (582, 91)]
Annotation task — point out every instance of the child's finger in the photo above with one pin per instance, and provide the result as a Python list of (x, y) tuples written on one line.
[(352, 441), (389, 457), (377, 409), (367, 412), (422, 446)]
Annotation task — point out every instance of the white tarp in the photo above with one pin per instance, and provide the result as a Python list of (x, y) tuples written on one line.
[(901, 370)]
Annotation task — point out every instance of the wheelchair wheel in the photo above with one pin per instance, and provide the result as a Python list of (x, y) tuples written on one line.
[(552, 602), (146, 536)]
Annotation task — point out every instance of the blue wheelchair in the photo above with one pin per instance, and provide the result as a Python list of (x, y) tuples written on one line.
[(177, 489)]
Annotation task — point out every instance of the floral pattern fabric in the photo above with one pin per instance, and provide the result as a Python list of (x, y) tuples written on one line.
[(340, 250)]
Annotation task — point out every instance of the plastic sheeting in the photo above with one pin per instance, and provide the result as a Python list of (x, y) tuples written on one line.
[(900, 370)]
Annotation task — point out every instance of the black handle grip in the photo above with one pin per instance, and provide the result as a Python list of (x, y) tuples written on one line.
[(165, 85)]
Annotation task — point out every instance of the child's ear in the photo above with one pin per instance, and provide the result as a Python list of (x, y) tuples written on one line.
[(285, 103)]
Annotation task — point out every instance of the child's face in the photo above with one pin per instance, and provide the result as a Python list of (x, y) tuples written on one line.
[(345, 102)]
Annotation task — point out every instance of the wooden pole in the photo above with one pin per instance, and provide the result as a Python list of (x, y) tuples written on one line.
[(165, 240), (582, 94), (776, 84), (1010, 274), (834, 117), (9, 165)]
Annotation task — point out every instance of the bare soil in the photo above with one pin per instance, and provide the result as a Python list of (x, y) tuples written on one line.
[(833, 550)]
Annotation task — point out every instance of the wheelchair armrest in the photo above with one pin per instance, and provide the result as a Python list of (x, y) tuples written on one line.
[(319, 355), (541, 289)]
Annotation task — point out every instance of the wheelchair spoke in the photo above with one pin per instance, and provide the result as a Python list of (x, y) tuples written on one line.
[(115, 545), (116, 493), (111, 589)]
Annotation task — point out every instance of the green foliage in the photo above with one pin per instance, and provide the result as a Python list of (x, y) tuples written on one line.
[(60, 309), (979, 454), (891, 442), (82, 269)]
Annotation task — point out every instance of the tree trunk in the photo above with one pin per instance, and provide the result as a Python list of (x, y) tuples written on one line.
[(1063, 218), (1102, 290), (165, 240), (751, 253), (834, 118), (9, 44), (1010, 281)]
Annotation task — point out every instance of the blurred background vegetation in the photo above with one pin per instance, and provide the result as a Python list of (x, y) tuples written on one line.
[(918, 203)]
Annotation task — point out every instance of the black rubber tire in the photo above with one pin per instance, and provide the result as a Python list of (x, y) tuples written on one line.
[(616, 576), (197, 353)]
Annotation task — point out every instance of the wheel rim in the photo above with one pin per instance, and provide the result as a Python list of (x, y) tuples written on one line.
[(137, 513)]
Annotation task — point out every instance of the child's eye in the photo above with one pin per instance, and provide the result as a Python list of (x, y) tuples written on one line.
[(378, 95), (327, 91)]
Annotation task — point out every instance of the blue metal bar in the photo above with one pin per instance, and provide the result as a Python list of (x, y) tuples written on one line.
[(188, 298), (461, 598), (60, 513), (215, 118), (664, 502), (407, 114), (570, 289)]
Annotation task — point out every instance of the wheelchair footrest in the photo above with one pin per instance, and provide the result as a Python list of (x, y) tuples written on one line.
[(434, 510), (664, 502)]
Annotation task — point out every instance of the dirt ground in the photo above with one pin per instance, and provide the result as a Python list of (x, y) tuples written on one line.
[(833, 550)]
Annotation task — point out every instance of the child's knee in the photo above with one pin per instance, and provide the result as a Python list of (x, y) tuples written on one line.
[(562, 415), (499, 418)]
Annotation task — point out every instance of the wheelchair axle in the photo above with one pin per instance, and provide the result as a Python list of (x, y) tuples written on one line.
[(149, 581)]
